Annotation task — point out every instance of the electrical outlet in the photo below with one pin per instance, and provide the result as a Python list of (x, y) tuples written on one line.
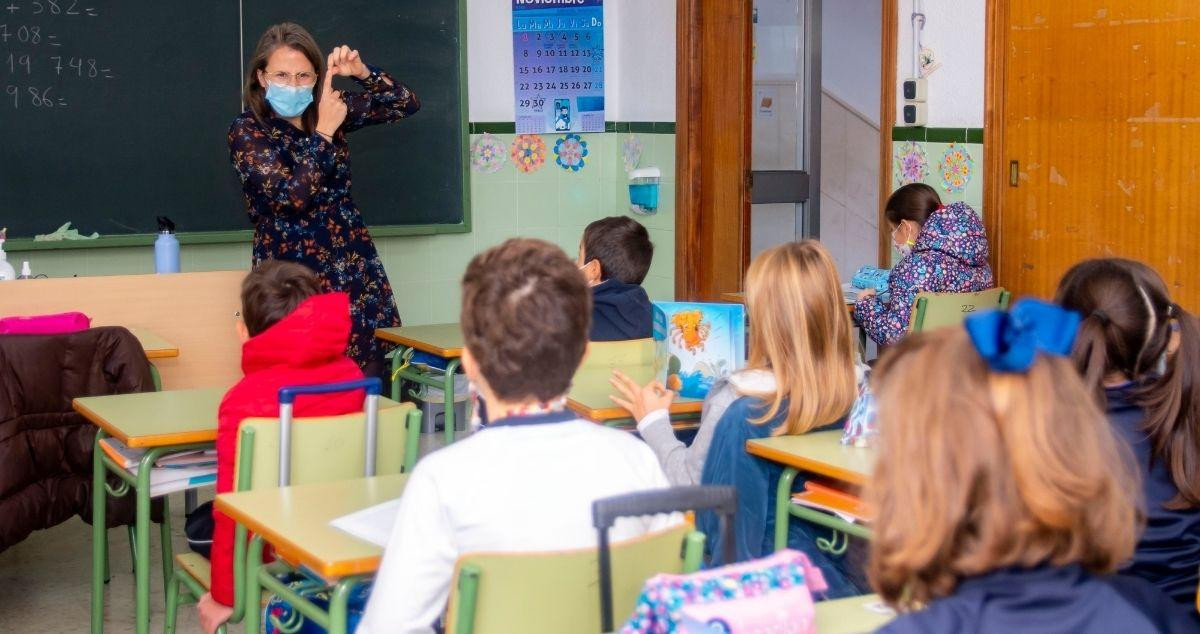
[(915, 89), (915, 114)]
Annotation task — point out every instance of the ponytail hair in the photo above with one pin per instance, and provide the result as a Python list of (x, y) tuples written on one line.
[(1129, 324)]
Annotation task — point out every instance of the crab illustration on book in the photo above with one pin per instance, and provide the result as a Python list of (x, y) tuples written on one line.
[(690, 330)]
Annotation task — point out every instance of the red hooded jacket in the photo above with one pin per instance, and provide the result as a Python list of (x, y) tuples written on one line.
[(304, 348)]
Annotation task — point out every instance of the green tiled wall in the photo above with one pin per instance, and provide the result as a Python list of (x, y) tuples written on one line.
[(552, 204), (972, 194)]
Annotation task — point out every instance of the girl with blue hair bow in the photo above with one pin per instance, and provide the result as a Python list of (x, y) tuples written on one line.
[(1002, 501)]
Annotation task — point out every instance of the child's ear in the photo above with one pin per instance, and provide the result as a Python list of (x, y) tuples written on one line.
[(591, 272), (242, 332)]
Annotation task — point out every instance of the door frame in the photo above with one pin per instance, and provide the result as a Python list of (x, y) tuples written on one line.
[(888, 48), (995, 174)]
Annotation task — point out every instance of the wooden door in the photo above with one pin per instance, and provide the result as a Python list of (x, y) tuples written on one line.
[(1094, 111)]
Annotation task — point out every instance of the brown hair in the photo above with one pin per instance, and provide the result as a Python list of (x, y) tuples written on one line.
[(621, 245), (914, 202), (273, 290), (1126, 329), (981, 470), (801, 334), (526, 311), (283, 34)]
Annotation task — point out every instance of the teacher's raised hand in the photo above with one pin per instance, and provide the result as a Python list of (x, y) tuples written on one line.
[(331, 111), (347, 62)]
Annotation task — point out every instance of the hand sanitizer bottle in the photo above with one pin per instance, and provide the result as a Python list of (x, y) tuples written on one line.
[(7, 272)]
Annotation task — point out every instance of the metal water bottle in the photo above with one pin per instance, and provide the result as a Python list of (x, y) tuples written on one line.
[(166, 247)]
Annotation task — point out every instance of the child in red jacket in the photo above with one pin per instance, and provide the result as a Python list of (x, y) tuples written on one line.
[(292, 335)]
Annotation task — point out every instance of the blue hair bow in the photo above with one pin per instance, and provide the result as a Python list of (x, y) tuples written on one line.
[(1009, 342)]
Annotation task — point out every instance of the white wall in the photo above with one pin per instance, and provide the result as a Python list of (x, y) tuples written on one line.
[(850, 53), (954, 29), (639, 64)]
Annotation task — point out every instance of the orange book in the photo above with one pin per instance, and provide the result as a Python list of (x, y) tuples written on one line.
[(824, 498)]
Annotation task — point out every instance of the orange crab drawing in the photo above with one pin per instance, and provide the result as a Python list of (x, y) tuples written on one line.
[(688, 329)]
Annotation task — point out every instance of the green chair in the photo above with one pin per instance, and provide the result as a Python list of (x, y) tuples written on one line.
[(938, 310), (535, 593), (323, 449)]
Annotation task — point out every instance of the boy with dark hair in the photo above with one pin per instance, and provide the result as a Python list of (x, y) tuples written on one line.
[(291, 335), (527, 481), (614, 256)]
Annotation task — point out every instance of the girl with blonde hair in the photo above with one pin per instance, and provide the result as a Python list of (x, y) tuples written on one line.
[(801, 375)]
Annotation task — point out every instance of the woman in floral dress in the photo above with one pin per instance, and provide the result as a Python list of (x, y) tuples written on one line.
[(289, 148)]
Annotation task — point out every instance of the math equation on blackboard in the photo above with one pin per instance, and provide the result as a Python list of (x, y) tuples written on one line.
[(558, 65), (41, 67)]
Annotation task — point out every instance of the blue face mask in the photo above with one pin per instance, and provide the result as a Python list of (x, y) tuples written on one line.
[(289, 101)]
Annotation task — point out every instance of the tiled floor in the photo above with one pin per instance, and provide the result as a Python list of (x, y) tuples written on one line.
[(46, 578)]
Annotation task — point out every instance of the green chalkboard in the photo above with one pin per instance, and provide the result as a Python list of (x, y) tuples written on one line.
[(113, 113)]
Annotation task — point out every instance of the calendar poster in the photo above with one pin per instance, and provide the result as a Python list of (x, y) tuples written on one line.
[(558, 65)]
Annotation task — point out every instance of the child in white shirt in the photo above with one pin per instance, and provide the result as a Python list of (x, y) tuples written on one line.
[(527, 481)]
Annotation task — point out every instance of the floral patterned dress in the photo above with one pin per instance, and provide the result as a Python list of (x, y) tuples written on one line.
[(297, 192)]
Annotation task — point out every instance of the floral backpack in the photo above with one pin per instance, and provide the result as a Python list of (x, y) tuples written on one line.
[(769, 594)]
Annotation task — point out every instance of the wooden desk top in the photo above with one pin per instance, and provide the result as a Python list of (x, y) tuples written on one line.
[(155, 419), (850, 615), (443, 340), (590, 391), (818, 452), (295, 520), (156, 347)]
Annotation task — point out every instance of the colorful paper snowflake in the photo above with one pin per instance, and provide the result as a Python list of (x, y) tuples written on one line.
[(488, 154), (571, 151), (528, 152), (912, 166), (631, 152), (956, 168)]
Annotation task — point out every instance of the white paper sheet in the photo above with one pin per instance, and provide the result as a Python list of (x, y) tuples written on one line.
[(372, 524)]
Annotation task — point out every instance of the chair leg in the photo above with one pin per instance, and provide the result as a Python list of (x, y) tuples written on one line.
[(132, 548), (172, 592), (107, 568), (165, 537)]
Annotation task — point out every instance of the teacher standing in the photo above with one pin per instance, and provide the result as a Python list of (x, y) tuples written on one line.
[(289, 148)]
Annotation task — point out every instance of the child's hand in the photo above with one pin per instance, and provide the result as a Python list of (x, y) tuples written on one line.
[(212, 614), (640, 400), (865, 293)]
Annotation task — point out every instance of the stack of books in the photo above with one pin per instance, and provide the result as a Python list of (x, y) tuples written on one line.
[(175, 472)]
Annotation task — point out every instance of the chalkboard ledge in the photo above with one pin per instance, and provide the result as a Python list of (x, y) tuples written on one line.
[(210, 237)]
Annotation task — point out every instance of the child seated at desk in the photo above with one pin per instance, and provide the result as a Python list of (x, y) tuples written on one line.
[(1139, 352), (1003, 501), (292, 335), (614, 256), (943, 249), (526, 482), (801, 375)]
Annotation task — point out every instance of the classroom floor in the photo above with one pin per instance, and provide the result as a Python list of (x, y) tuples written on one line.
[(47, 577)]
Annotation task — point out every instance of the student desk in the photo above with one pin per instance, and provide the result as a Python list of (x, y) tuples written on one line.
[(590, 391), (441, 340), (850, 615), (821, 453), (295, 521), (156, 348), (161, 423)]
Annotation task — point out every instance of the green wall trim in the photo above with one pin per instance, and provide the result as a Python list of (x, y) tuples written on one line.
[(210, 237), (641, 127), (937, 135)]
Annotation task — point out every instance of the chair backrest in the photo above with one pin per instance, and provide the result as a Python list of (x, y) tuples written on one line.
[(324, 449), (618, 354), (938, 310), (555, 592)]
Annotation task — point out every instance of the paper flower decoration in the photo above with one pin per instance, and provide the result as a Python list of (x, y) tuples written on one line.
[(956, 168), (488, 154), (528, 152), (631, 152), (912, 166), (570, 150)]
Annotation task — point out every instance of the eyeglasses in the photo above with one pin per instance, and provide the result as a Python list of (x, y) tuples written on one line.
[(302, 78)]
